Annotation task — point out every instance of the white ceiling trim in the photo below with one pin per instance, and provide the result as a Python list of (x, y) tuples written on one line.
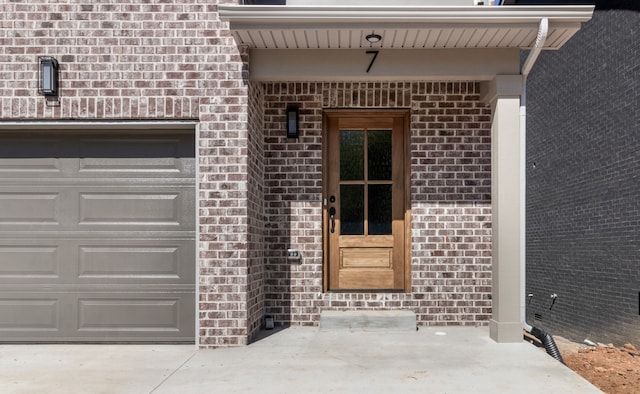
[(406, 13), (428, 27)]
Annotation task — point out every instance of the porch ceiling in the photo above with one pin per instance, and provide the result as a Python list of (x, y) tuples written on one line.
[(426, 27)]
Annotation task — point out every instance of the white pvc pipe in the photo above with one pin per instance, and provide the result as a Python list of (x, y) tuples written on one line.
[(543, 30)]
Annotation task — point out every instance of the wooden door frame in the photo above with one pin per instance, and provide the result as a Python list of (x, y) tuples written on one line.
[(379, 113)]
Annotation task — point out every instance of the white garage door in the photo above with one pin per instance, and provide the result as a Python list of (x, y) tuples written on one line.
[(97, 237)]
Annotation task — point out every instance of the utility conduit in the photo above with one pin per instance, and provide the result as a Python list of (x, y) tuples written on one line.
[(541, 38), (544, 337)]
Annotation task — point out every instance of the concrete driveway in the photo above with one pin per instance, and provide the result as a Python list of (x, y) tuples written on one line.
[(296, 360)]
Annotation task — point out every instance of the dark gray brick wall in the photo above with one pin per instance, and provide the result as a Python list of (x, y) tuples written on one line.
[(583, 182)]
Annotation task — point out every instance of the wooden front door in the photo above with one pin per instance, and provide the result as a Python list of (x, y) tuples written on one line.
[(366, 210)]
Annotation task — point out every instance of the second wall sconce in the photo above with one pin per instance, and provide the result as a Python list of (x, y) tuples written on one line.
[(293, 120), (48, 72)]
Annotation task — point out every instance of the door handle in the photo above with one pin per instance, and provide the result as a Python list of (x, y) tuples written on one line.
[(332, 219)]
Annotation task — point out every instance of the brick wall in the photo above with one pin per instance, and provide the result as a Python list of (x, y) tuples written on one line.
[(121, 59), (165, 60), (583, 182), (260, 193), (450, 201), (256, 224)]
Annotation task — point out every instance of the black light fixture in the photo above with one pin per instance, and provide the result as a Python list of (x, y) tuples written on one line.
[(373, 38), (48, 77), (293, 121)]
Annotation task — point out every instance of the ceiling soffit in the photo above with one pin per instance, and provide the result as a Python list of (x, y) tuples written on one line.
[(428, 27)]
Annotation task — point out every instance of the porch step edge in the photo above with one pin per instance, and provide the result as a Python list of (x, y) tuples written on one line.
[(388, 320)]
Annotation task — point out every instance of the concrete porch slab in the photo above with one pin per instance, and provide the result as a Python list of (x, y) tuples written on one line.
[(394, 320), (293, 360)]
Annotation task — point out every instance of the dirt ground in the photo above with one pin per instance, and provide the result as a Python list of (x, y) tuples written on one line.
[(613, 370)]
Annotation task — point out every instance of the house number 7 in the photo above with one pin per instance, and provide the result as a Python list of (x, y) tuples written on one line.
[(373, 59)]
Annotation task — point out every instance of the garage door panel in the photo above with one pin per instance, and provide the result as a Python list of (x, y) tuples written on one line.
[(135, 316), (29, 262), (109, 260), (97, 236), (96, 168), (29, 208), (130, 209), (137, 262), (33, 157), (37, 208), (97, 208), (28, 314), (107, 314), (100, 156), (149, 316), (36, 157), (30, 167), (156, 209), (112, 167), (116, 157)]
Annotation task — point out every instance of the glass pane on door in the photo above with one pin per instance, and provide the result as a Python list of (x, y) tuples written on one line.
[(351, 155), (379, 155), (380, 209), (351, 209)]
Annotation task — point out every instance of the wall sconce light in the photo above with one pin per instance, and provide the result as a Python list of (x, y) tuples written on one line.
[(48, 78), (293, 121)]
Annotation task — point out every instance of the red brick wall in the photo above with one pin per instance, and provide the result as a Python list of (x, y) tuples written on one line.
[(450, 201)]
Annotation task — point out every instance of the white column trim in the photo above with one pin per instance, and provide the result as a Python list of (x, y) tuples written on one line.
[(507, 205)]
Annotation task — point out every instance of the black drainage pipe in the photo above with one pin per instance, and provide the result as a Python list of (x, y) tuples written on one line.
[(548, 343)]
